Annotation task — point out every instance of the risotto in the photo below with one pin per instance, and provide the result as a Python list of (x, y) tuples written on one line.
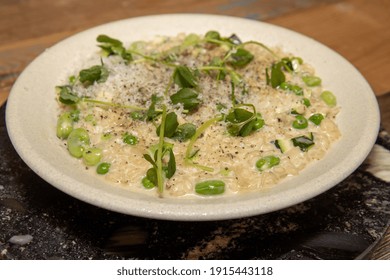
[(195, 114)]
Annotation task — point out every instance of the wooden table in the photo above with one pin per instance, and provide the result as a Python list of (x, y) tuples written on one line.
[(357, 29)]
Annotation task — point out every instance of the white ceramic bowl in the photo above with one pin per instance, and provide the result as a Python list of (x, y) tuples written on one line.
[(31, 120)]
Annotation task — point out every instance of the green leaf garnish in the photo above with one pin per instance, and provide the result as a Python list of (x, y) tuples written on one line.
[(213, 35), (186, 96), (171, 168), (184, 132), (170, 125), (242, 122), (154, 176), (240, 58), (151, 113), (97, 73), (67, 96), (277, 75), (113, 46), (184, 77)]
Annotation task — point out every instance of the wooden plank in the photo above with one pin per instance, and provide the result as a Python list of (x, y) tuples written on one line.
[(28, 27), (359, 30)]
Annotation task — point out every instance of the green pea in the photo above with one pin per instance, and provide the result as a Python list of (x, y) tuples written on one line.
[(130, 139), (64, 125), (294, 88), (137, 116), (78, 140), (150, 180), (311, 81), (267, 162), (285, 86), (103, 168), (316, 119), (297, 90), (210, 187), (147, 183), (329, 98), (92, 156), (300, 122)]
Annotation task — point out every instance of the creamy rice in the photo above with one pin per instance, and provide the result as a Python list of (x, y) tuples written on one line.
[(232, 158)]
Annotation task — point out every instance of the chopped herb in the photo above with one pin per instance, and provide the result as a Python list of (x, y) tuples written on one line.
[(303, 142)]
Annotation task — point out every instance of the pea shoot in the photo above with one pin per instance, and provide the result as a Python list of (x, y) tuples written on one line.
[(97, 73), (155, 174), (241, 122)]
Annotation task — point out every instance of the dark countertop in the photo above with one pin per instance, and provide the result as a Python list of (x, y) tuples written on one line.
[(39, 222)]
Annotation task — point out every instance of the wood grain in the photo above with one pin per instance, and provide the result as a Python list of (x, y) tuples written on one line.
[(28, 27), (359, 30)]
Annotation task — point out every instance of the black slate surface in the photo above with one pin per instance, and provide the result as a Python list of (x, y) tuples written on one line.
[(342, 223)]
